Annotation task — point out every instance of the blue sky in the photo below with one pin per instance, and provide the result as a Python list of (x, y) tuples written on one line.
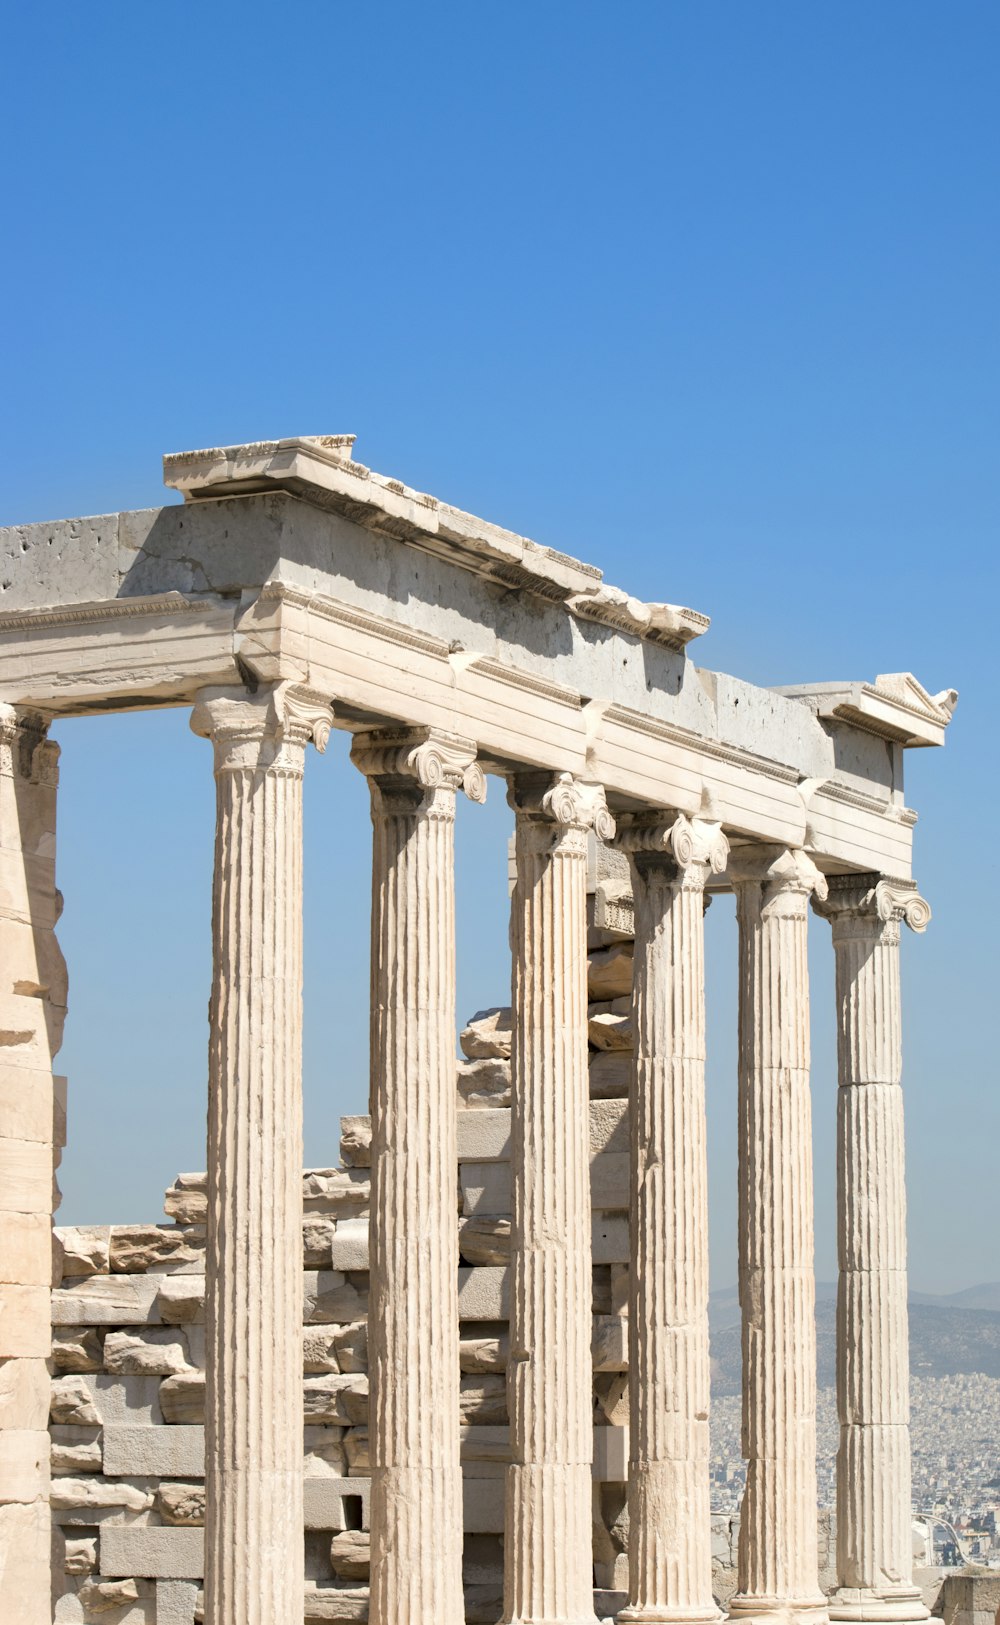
[(703, 293)]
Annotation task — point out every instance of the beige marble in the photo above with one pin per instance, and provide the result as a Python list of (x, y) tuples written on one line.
[(413, 1352), (874, 1539), (548, 1557), (253, 1415), (32, 1111), (778, 1559), (669, 1548)]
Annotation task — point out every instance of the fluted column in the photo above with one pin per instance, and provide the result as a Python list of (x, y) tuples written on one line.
[(874, 1517), (670, 1547), (778, 1566), (416, 1514), (253, 1401), (548, 1543)]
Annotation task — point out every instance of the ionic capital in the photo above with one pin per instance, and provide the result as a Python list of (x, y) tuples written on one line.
[(687, 850), (786, 876), (265, 730), (26, 752), (873, 906), (559, 808), (413, 768)]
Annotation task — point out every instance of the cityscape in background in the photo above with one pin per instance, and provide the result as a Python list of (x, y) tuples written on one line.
[(954, 1430)]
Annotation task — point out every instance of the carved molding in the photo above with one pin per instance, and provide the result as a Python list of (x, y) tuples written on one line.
[(782, 873), (873, 901), (402, 760)]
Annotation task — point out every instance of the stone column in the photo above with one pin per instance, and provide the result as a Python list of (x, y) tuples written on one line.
[(874, 1538), (670, 1548), (548, 1543), (253, 1401), (32, 1116), (413, 1352), (778, 1567)]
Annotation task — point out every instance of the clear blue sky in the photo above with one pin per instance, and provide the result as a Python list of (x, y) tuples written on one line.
[(703, 293)]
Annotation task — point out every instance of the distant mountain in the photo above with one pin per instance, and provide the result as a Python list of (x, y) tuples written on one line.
[(956, 1334)]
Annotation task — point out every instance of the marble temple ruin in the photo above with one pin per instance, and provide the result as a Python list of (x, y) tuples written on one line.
[(517, 1250)]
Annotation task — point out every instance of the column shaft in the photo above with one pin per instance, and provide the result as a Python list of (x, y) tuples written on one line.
[(32, 1113), (253, 1402), (670, 1553), (778, 1567), (548, 1543), (874, 1536), (416, 1518)]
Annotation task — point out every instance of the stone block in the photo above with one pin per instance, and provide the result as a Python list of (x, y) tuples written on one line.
[(181, 1505), (349, 1245), (609, 1343), (350, 1554), (482, 1505), (32, 1105), (317, 1241), (147, 1353), (336, 1190), (24, 1394), (610, 1073), (154, 1452), (483, 1354), (80, 1554), (24, 1464), (483, 1084), (357, 1452), (26, 1249), (25, 1326), (331, 1299), (342, 1399), (71, 1400), (324, 1502), (351, 1344), (609, 1236), (77, 1348), (483, 1399), (487, 1036), (26, 1168), (136, 1248), (182, 1398), (319, 1353), (180, 1299), (609, 1126), (25, 1558), (611, 1455), (175, 1602), (484, 1239), (341, 1605), (609, 1182), (610, 1029), (484, 1443), (186, 1202), (356, 1142), (324, 1454), (486, 1186), (76, 1450), (94, 1493), (483, 1293), (108, 1300), (609, 971), (484, 1135), (85, 1248), (154, 1551), (131, 1400)]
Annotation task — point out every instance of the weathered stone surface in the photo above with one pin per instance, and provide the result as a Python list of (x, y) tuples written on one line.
[(356, 1142), (317, 1237), (609, 972), (609, 1343), (487, 1035), (610, 1071), (350, 1555), (107, 1300), (336, 1190), (178, 1602), (24, 1464), (25, 1323), (484, 1083), (100, 1596), (138, 1247), (97, 1492), (609, 1028), (179, 1503), (345, 1605), (324, 1451), (145, 1353), (319, 1353), (76, 1348), (484, 1239), (484, 1135), (483, 1293), (180, 1299), (24, 1394), (186, 1202), (72, 1401), (342, 1399), (349, 1244), (484, 1354), (182, 1398), (154, 1452), (357, 1450), (151, 1550), (80, 1555), (331, 1299), (483, 1399), (324, 1502), (351, 1344), (76, 1450)]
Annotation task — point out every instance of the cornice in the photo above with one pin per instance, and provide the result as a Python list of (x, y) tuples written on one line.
[(168, 603)]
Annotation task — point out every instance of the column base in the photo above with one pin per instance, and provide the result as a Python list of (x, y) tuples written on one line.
[(857, 1604), (814, 1609), (669, 1616)]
